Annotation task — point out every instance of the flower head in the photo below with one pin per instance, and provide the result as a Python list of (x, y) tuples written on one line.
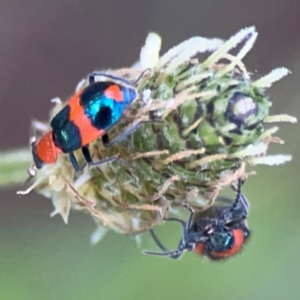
[(199, 120)]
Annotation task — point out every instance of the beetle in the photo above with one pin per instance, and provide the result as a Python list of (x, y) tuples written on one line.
[(88, 114), (217, 233)]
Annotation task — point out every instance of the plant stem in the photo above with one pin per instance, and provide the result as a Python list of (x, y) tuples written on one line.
[(13, 166)]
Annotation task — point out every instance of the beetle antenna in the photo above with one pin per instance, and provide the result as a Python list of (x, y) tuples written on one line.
[(92, 79), (141, 76)]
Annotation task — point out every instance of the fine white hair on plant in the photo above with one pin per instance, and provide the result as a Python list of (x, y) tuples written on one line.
[(185, 50), (275, 75), (243, 52), (270, 160), (280, 118), (227, 46), (251, 150)]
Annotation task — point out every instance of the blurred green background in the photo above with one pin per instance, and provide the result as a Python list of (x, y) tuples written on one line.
[(46, 47)]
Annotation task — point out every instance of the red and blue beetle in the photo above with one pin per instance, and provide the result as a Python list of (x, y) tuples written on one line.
[(88, 115), (218, 232)]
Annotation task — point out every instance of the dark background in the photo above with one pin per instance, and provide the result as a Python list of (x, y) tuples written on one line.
[(46, 47)]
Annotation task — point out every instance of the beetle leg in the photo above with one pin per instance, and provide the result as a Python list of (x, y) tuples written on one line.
[(88, 158), (121, 137), (157, 241), (74, 162), (128, 131)]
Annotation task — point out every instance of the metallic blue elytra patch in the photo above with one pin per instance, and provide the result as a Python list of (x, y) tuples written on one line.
[(68, 138), (66, 135), (60, 119), (103, 111), (94, 91)]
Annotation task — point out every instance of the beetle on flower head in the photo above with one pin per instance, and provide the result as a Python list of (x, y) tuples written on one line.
[(89, 113), (218, 233)]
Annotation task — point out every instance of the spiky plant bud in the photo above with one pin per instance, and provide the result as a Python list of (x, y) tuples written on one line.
[(202, 120)]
